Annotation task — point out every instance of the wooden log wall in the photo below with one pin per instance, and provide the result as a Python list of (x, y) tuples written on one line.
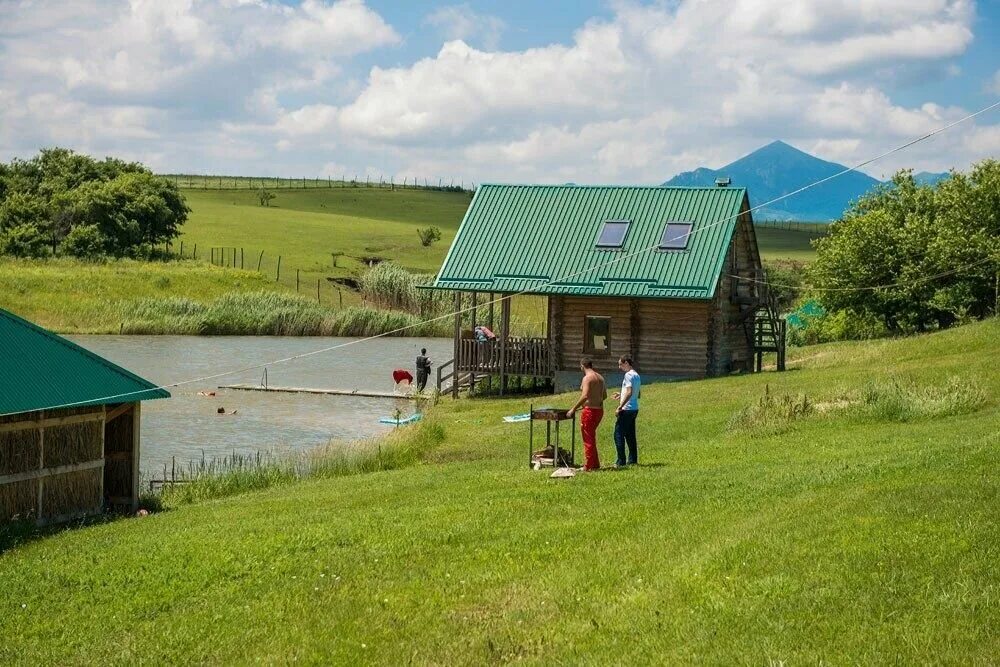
[(664, 336)]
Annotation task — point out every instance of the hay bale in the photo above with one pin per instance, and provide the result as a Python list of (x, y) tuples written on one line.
[(74, 443), (72, 493), (18, 501), (20, 451)]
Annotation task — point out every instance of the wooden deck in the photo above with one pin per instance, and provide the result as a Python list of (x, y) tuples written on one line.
[(519, 356), (332, 392)]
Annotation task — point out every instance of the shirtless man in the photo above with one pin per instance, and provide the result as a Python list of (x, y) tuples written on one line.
[(593, 393)]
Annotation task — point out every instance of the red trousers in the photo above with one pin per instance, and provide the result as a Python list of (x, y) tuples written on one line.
[(590, 419)]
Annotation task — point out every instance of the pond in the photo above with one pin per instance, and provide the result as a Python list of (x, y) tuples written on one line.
[(187, 426)]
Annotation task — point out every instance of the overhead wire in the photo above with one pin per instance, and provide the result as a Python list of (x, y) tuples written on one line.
[(916, 281), (532, 290)]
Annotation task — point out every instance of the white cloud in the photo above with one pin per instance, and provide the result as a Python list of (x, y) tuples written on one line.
[(259, 86), (461, 22), (993, 85), (345, 27)]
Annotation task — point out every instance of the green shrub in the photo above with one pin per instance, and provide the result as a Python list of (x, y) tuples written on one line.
[(828, 327), (85, 242), (429, 235), (24, 240)]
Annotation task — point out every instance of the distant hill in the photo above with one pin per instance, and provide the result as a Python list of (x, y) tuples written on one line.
[(777, 169), (928, 178)]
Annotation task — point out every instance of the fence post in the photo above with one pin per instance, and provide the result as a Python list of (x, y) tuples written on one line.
[(260, 259), (277, 276), (195, 254), (296, 280), (317, 291), (182, 249), (213, 256), (241, 258), (341, 295)]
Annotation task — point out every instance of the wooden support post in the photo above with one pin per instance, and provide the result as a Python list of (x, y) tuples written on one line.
[(317, 290), (241, 258), (136, 423), (296, 280), (260, 259), (277, 277), (504, 335), (492, 304), (195, 254), (457, 344)]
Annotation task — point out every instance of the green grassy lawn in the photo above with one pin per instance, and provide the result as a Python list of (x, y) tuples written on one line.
[(844, 537)]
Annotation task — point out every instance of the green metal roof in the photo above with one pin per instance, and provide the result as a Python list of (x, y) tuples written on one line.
[(517, 238), (40, 370)]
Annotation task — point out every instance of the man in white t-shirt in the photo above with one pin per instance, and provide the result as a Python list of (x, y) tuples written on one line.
[(626, 413)]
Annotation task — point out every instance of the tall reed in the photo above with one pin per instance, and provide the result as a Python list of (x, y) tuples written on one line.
[(262, 313)]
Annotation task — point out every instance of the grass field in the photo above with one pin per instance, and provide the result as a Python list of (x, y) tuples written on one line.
[(75, 297), (862, 531), (306, 226)]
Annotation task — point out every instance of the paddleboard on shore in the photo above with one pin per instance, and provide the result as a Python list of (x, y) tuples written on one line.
[(401, 421)]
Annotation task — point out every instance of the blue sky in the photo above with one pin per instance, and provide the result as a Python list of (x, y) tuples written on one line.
[(585, 91)]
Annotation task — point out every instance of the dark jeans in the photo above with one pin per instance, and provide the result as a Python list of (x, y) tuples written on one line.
[(625, 433), (421, 380)]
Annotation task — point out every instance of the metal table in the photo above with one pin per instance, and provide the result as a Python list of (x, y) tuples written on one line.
[(550, 416)]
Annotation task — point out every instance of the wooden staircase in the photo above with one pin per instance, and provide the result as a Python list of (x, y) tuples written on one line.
[(762, 323), (450, 380)]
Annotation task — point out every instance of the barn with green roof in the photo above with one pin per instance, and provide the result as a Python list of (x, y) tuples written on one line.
[(69, 427), (669, 276)]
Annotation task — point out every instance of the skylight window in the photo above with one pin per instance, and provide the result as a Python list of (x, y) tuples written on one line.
[(675, 235), (613, 233)]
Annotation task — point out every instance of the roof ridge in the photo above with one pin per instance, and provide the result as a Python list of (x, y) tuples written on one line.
[(79, 349), (618, 186)]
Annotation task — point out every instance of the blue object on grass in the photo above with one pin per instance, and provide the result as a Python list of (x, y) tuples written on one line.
[(401, 421), (518, 418)]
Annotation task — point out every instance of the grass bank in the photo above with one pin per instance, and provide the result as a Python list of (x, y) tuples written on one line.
[(848, 534), (187, 297), (71, 296)]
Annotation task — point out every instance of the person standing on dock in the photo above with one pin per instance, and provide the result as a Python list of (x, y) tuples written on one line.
[(423, 369), (593, 393)]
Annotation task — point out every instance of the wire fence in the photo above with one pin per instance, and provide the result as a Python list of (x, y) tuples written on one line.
[(330, 290), (795, 225), (205, 182)]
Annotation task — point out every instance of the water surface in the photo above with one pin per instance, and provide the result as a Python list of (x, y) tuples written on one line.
[(187, 425)]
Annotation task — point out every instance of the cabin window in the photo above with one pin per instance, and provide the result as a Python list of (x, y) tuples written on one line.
[(613, 233), (597, 335), (675, 235)]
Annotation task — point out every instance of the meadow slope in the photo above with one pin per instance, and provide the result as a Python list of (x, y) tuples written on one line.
[(864, 532)]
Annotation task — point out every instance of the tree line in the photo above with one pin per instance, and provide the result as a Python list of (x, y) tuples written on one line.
[(62, 202), (937, 246)]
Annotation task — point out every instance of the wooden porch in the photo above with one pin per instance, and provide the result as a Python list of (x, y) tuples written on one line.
[(503, 357)]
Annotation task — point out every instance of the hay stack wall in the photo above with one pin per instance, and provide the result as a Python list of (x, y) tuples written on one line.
[(59, 463)]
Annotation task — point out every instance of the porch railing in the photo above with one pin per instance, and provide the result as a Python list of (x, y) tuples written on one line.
[(521, 356)]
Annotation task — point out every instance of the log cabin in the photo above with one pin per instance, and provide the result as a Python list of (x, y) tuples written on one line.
[(670, 276)]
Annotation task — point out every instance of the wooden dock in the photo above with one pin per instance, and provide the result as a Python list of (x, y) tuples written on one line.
[(331, 392)]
